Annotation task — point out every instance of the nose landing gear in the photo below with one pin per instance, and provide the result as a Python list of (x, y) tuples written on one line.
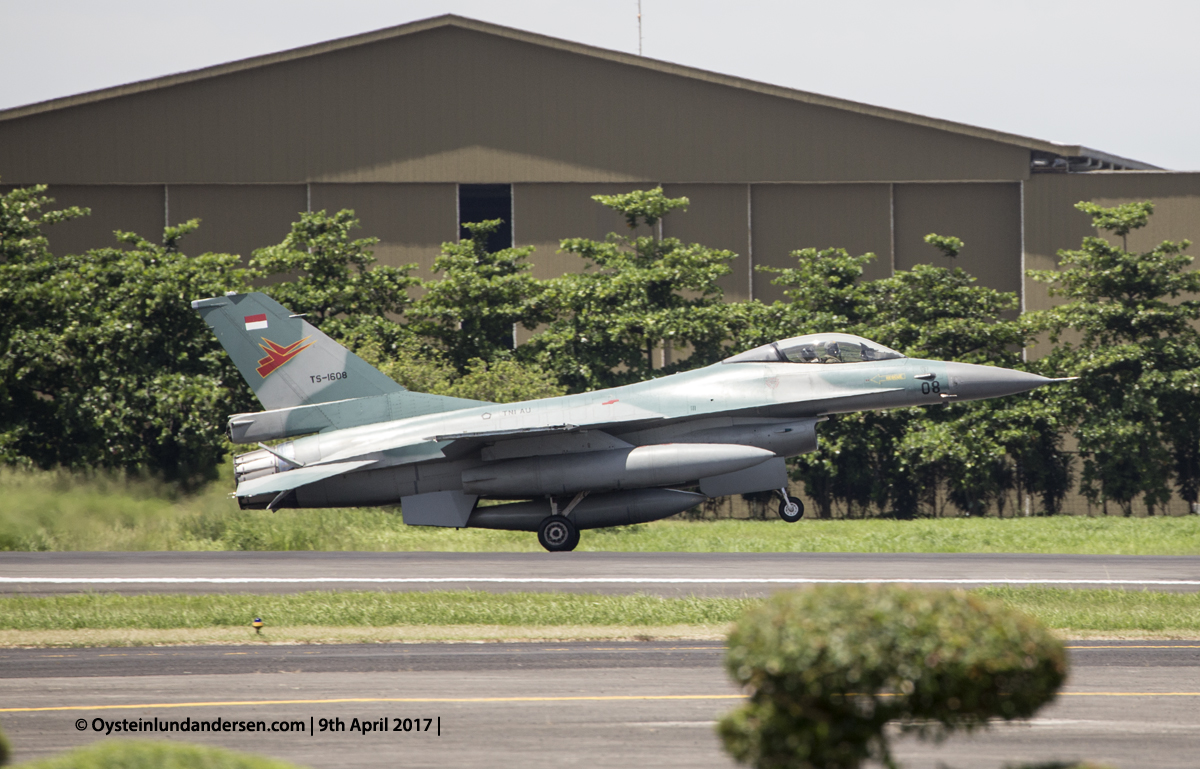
[(790, 510)]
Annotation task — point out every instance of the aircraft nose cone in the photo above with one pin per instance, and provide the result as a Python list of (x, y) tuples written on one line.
[(969, 382)]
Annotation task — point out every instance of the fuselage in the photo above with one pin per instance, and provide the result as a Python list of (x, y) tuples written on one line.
[(611, 457), (726, 403)]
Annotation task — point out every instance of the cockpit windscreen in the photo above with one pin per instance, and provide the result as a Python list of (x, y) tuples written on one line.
[(818, 348)]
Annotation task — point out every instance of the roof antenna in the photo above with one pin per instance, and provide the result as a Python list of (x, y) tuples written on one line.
[(639, 27)]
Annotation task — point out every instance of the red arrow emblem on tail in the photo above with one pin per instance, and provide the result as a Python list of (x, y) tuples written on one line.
[(277, 355)]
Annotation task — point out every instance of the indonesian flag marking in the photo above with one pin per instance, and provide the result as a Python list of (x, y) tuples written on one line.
[(254, 322)]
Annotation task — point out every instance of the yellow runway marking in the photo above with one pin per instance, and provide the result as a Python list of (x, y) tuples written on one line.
[(1195, 646), (1129, 694), (486, 700)]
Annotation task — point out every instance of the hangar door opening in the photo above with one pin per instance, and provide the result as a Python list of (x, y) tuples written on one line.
[(480, 202)]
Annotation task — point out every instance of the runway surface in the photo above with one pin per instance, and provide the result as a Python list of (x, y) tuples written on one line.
[(1128, 704), (654, 573)]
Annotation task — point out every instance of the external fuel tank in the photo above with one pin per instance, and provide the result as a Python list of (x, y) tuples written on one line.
[(618, 508), (640, 467)]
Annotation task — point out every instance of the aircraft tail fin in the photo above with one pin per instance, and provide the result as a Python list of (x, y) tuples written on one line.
[(287, 361)]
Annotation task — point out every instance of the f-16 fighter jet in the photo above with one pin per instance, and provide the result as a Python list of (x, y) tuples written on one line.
[(611, 457)]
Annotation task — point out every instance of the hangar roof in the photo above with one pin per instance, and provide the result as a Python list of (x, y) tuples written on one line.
[(1049, 155)]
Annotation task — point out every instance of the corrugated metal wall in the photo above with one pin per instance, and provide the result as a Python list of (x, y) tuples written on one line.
[(132, 208), (545, 214), (391, 127), (789, 217), (410, 220), (987, 217), (235, 218), (458, 105), (718, 217), (1053, 224)]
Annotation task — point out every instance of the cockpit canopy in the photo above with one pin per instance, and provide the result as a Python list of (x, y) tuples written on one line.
[(817, 348)]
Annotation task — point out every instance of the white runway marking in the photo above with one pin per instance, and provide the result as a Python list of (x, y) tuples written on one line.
[(572, 581)]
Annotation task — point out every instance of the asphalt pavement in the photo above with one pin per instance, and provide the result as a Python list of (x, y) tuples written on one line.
[(653, 573), (1127, 704)]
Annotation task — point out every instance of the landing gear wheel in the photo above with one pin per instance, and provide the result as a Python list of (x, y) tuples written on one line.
[(558, 534), (791, 510)]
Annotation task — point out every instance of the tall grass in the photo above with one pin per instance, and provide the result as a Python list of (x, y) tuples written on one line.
[(62, 511), (70, 511)]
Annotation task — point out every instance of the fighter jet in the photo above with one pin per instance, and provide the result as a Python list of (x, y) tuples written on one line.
[(619, 456)]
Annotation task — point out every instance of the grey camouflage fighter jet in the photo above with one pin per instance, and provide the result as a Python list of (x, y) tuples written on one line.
[(611, 457)]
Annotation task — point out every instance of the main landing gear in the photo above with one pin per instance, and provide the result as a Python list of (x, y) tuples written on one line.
[(558, 533), (790, 510)]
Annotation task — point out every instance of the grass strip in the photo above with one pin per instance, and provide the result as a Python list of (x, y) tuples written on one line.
[(360, 609), (1104, 611), (57, 511), (317, 634), (104, 619)]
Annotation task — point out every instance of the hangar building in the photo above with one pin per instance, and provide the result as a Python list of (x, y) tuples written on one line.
[(422, 126)]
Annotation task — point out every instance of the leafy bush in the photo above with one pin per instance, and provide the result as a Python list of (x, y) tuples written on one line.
[(827, 668), (129, 754), (103, 363)]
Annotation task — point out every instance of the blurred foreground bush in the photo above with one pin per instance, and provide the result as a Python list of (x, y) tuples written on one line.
[(827, 668), (129, 754)]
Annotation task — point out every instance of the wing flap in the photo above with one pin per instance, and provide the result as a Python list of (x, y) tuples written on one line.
[(294, 479)]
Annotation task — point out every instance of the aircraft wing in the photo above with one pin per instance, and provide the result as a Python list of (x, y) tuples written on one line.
[(294, 479), (535, 441)]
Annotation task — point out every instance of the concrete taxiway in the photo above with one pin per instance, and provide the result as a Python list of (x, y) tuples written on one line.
[(654, 573), (1128, 704)]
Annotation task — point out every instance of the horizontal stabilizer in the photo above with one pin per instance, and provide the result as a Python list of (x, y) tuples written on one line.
[(294, 479)]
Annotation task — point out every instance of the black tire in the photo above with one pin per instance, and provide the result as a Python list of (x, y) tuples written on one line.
[(558, 534), (792, 510)]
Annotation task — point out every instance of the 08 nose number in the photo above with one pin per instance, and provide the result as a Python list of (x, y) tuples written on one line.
[(928, 387)]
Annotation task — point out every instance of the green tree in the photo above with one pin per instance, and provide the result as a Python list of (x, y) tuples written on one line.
[(454, 340), (422, 368), (470, 313), (1136, 350), (919, 460), (949, 245), (22, 219), (105, 364), (824, 292), (323, 273), (637, 293), (23, 246)]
